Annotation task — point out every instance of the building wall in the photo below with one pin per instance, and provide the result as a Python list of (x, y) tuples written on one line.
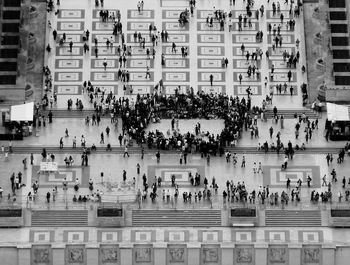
[(181, 254)]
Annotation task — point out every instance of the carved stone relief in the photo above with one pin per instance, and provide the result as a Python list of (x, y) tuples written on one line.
[(210, 255), (244, 255), (311, 255), (143, 254), (176, 254), (109, 254), (75, 255), (41, 255), (277, 255)]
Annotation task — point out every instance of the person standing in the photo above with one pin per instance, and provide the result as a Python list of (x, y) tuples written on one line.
[(126, 151), (158, 156), (138, 168), (243, 161)]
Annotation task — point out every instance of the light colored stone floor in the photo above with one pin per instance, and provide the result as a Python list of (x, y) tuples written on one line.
[(113, 165), (194, 32)]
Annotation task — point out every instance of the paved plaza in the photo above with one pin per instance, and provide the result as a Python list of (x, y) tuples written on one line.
[(214, 58), (207, 46)]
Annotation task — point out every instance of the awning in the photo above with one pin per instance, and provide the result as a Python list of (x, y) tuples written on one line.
[(337, 112), (23, 112)]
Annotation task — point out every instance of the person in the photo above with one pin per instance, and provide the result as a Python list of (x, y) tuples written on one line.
[(126, 151), (31, 158), (138, 168), (308, 181), (65, 184), (48, 195), (24, 163), (158, 156), (243, 161), (91, 185), (61, 143)]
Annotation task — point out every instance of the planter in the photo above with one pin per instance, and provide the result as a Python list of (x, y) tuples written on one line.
[(31, 38), (30, 64), (318, 38), (316, 13), (320, 64), (33, 12), (28, 91)]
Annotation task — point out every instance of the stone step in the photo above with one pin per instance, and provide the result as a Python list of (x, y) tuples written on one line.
[(202, 218), (57, 218), (292, 218)]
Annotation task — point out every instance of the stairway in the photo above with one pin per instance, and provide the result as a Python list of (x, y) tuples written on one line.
[(292, 218), (189, 218), (58, 218), (289, 113)]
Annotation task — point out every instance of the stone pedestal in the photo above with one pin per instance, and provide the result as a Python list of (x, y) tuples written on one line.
[(126, 253), (194, 253), (227, 253), (92, 254), (58, 251), (261, 253), (160, 253), (328, 254), (294, 254), (24, 254)]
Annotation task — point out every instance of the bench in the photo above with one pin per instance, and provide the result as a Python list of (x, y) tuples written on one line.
[(243, 225)]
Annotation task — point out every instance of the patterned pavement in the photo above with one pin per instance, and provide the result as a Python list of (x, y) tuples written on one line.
[(207, 46)]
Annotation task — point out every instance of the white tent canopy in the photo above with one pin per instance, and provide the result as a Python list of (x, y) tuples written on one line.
[(337, 112), (23, 112)]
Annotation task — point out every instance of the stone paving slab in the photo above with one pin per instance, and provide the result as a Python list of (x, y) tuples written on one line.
[(211, 50), (171, 14), (217, 76), (286, 39), (64, 51), (68, 89), (244, 38), (71, 14), (68, 63), (70, 26), (68, 76), (139, 25), (96, 13), (245, 77), (211, 38), (176, 76), (244, 64), (144, 14), (214, 89), (241, 90), (170, 89), (174, 26), (177, 63), (167, 50)]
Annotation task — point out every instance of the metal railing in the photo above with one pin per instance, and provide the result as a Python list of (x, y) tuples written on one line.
[(62, 201)]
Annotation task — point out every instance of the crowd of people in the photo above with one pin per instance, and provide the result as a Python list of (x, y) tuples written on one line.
[(237, 113)]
